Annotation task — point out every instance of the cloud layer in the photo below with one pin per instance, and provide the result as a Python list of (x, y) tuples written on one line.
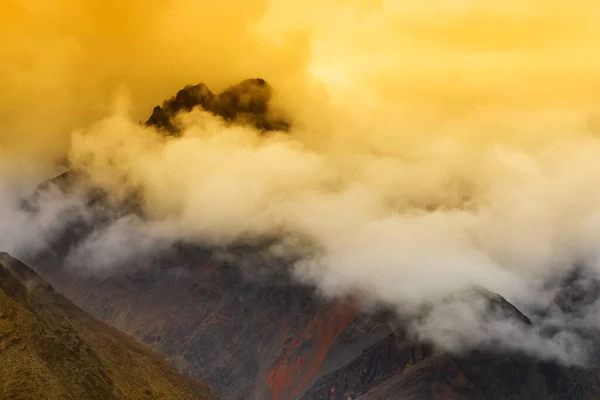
[(434, 147)]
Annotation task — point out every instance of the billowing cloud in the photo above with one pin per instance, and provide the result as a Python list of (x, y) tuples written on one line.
[(435, 146)]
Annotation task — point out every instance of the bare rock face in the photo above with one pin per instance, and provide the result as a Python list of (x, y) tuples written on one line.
[(245, 103), (379, 363)]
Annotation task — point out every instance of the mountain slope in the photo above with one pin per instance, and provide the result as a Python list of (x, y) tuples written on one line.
[(394, 366), (214, 323), (262, 340), (50, 349)]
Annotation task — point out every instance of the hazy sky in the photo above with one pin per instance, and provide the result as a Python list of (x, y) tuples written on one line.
[(64, 59)]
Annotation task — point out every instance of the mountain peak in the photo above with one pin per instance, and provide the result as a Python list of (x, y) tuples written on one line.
[(247, 103)]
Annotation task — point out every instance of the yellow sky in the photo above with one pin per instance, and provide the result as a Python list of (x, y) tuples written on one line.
[(64, 59)]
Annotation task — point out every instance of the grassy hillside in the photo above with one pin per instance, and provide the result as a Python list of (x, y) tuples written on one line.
[(50, 349)]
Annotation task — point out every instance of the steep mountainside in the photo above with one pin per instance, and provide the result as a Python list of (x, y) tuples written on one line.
[(397, 368), (272, 340), (212, 322), (50, 349)]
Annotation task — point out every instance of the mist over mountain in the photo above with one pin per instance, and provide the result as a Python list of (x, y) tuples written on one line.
[(200, 300), (347, 199), (135, 191)]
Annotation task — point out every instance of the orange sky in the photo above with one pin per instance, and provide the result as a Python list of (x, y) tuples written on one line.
[(66, 58)]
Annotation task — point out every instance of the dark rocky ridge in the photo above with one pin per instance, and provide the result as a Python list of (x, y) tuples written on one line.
[(398, 368), (383, 362), (244, 103)]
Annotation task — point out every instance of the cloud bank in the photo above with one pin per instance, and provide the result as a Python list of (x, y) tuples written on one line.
[(434, 147)]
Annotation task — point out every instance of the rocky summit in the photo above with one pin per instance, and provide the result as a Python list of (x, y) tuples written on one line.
[(245, 103)]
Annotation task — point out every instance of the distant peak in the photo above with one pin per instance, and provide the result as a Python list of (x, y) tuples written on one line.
[(247, 103)]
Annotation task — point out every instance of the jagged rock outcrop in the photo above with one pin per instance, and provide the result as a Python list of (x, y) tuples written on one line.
[(245, 103)]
